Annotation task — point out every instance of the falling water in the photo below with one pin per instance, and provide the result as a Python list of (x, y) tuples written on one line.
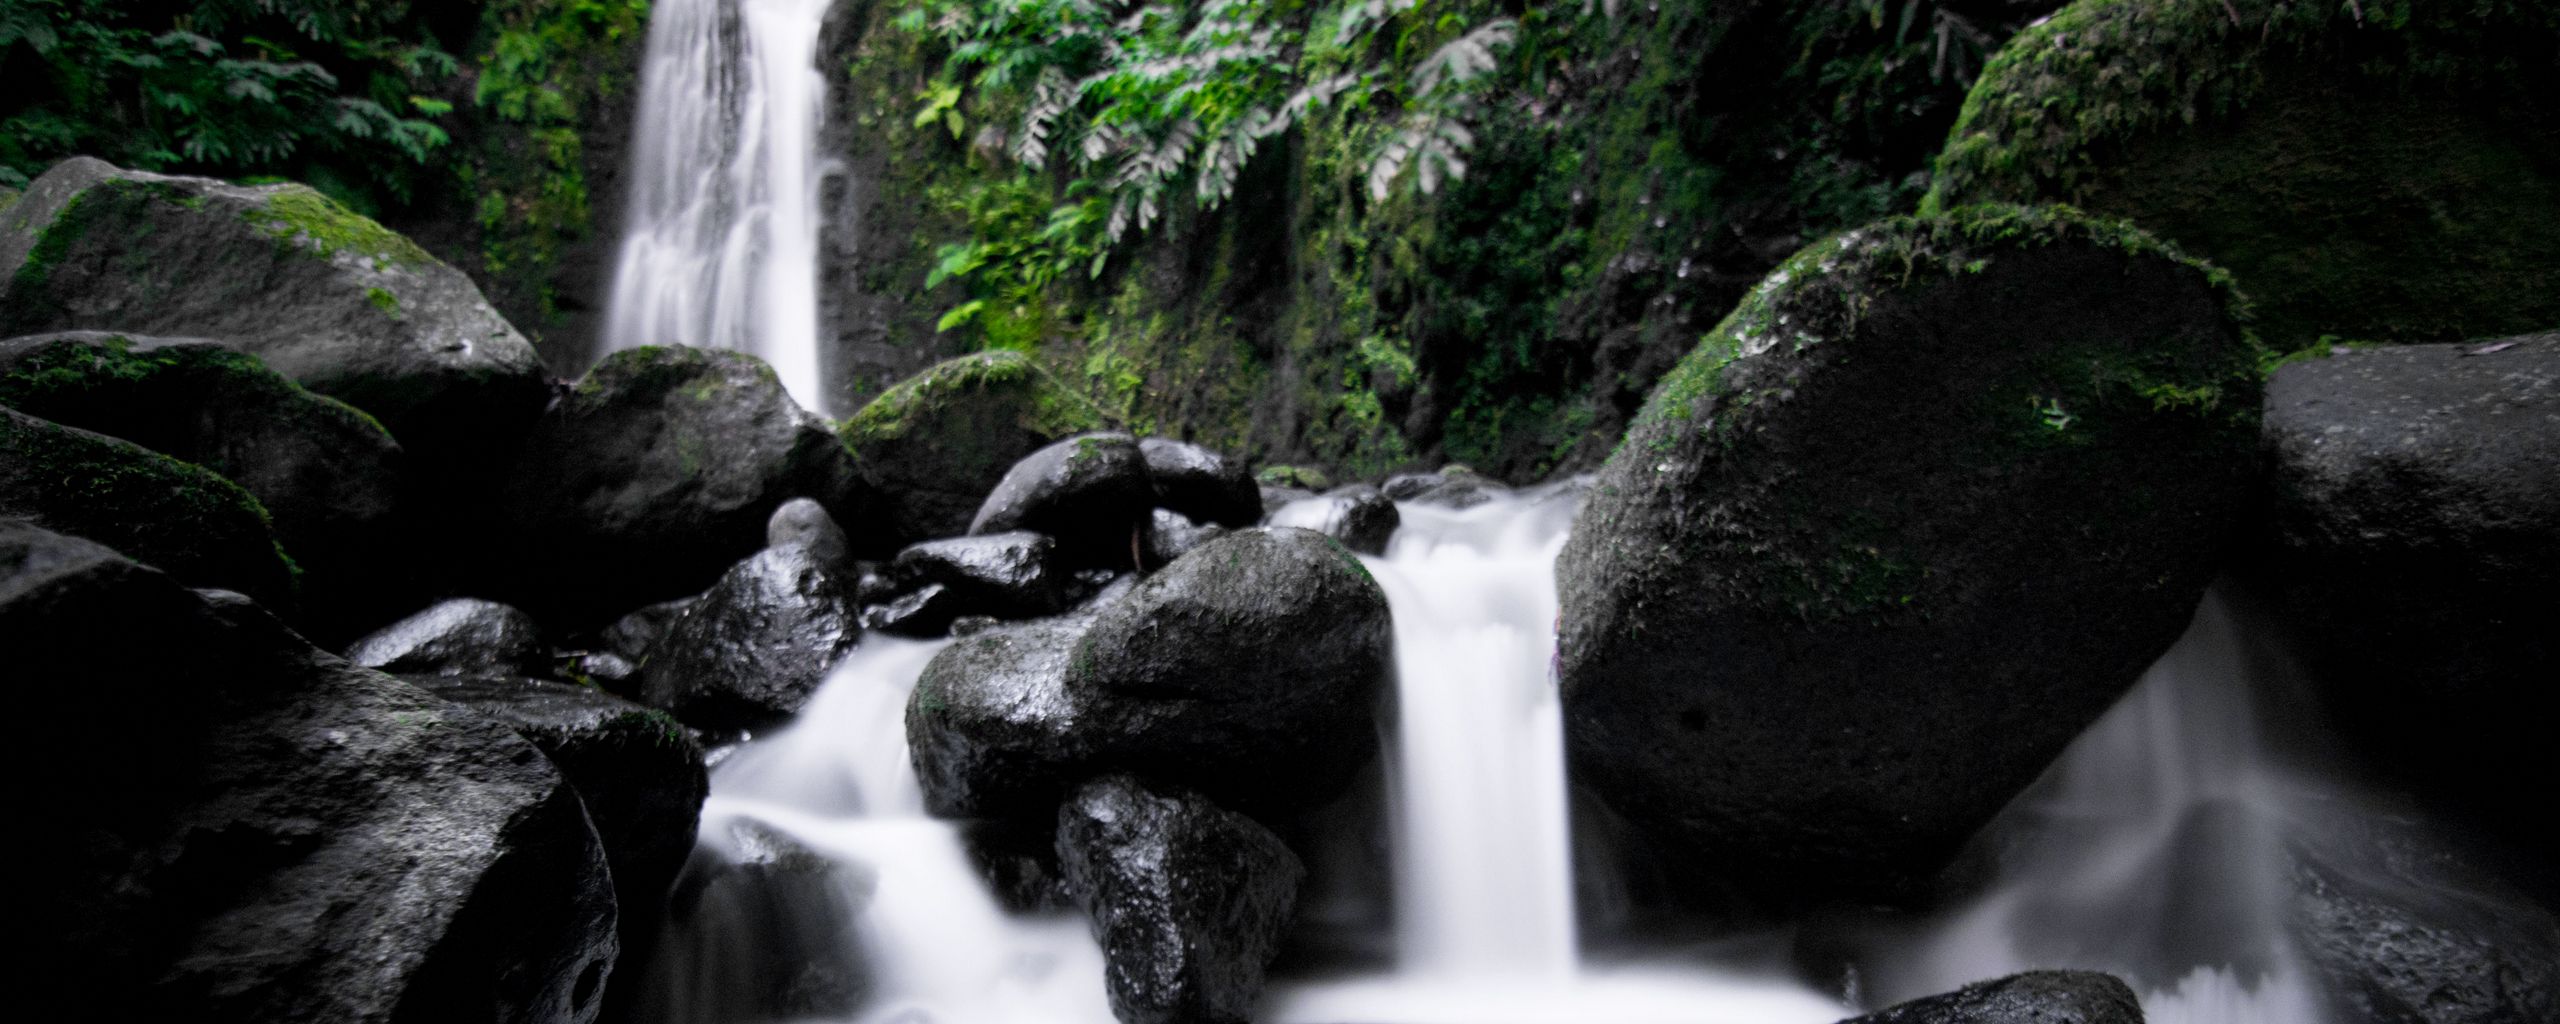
[(722, 238)]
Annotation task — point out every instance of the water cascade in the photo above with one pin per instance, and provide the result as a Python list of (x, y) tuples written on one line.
[(721, 243)]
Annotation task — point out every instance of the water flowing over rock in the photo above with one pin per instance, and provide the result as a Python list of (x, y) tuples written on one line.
[(1188, 900), (1912, 518), (325, 296), (935, 444), (2037, 997), (1358, 515), (281, 837), (747, 655), (1090, 492), (463, 636), (180, 517), (782, 923)]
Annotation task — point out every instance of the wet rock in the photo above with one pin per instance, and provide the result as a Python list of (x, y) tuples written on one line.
[(749, 653), (924, 613), (1276, 498), (2035, 997), (1189, 901), (1790, 648), (463, 636), (1304, 478), (658, 471), (1200, 484), (2413, 535), (1170, 535), (180, 517), (633, 636), (331, 477), (327, 297), (934, 445), (770, 933), (1453, 487), (1008, 575), (804, 522), (1358, 515), (282, 837), (1090, 492), (968, 625)]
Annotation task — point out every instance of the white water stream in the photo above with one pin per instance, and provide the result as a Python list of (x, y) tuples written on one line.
[(720, 248)]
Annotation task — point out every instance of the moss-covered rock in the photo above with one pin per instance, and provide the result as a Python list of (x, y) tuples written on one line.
[(933, 446), (327, 297), (2388, 170), (332, 478), (180, 517), (1918, 511)]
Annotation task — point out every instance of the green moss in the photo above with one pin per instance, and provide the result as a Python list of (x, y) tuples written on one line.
[(150, 506), (1305, 477), (383, 300), (305, 220), (658, 727), (1051, 409)]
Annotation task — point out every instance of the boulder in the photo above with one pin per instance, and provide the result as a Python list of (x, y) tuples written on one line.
[(1248, 669), (327, 297), (761, 928), (1171, 535), (935, 444), (2413, 537), (658, 471), (462, 636), (1089, 491), (1188, 900), (332, 479), (634, 635), (270, 834), (1014, 575), (2377, 175), (181, 517), (924, 613), (804, 522), (1201, 484), (2035, 997), (1929, 501), (749, 653), (1456, 487), (1358, 515)]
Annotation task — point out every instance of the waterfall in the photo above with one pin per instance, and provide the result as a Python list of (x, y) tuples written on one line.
[(721, 240)]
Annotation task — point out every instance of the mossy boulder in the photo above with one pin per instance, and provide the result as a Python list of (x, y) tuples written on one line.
[(325, 296), (1926, 504), (2388, 170), (335, 483), (178, 516), (935, 444)]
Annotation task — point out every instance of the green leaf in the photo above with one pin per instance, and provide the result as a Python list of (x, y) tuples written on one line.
[(958, 315)]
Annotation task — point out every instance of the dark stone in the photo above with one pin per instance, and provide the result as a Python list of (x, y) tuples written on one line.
[(750, 652), (1453, 487), (934, 445), (767, 929), (1170, 535), (462, 636), (924, 613), (326, 297), (331, 477), (1008, 575), (804, 522), (1188, 900), (2413, 541), (654, 474), (1090, 492), (1794, 647), (633, 636), (269, 834), (605, 668), (180, 517), (1201, 484), (2035, 997)]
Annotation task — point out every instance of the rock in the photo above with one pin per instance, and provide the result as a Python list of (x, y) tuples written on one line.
[(1276, 498), (1090, 492), (934, 445), (183, 518), (748, 654), (633, 636), (1248, 669), (767, 932), (658, 471), (925, 613), (1008, 575), (1189, 901), (1170, 535), (1790, 647), (1453, 487), (463, 636), (2413, 534), (2035, 997), (332, 479), (1305, 478), (804, 522), (1358, 515), (1201, 484), (327, 297), (270, 834), (2331, 160)]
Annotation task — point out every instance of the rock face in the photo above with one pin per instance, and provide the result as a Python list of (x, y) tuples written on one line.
[(2415, 536), (463, 636), (269, 834), (749, 653), (322, 295), (933, 446), (1090, 492), (1188, 901), (656, 472), (1928, 502), (2036, 997), (1248, 669), (2334, 162), (185, 519), (332, 478), (1201, 484)]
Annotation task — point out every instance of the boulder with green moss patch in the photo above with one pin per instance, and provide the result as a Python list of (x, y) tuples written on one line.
[(1911, 518), (332, 478), (935, 444), (325, 296), (183, 518), (2388, 170)]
